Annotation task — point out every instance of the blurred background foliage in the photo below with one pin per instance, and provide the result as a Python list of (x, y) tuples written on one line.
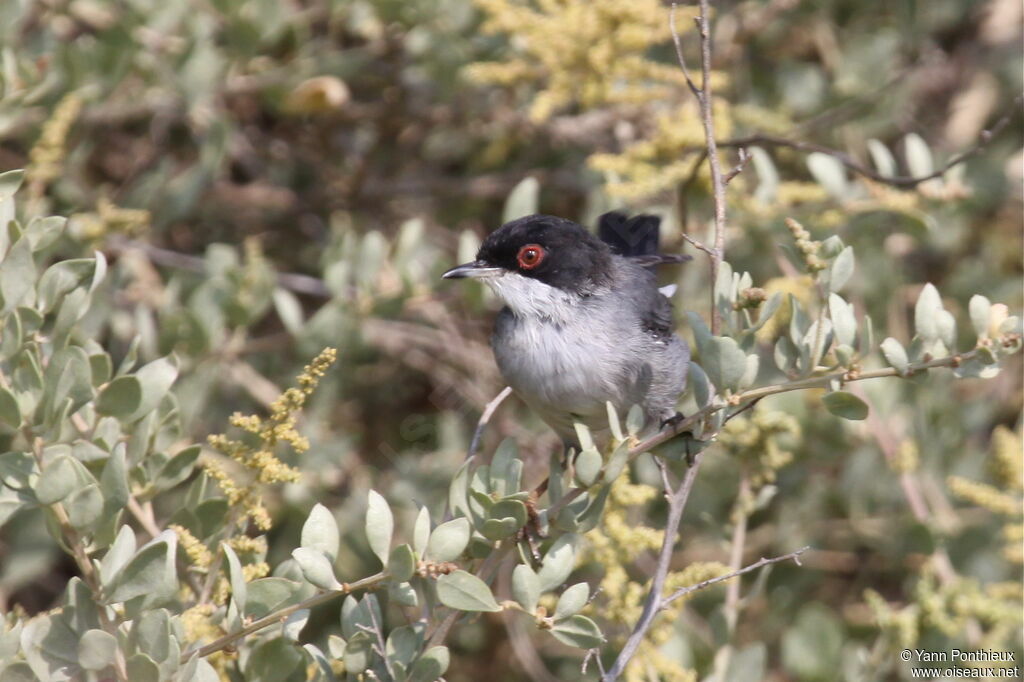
[(270, 178)]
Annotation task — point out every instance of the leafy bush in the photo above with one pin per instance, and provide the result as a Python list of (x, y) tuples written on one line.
[(150, 530)]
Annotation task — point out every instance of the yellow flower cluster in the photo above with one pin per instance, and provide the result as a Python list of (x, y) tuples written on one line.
[(47, 155), (802, 288), (259, 460), (614, 546), (592, 54), (756, 441), (1007, 466), (588, 53), (948, 608), (907, 457), (901, 624), (109, 218), (807, 247), (198, 553), (661, 162)]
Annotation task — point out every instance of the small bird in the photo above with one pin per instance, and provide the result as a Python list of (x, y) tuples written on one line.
[(584, 321)]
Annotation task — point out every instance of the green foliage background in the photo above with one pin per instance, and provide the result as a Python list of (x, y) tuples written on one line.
[(267, 179)]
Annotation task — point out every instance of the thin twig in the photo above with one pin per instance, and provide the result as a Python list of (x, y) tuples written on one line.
[(703, 94), (485, 417), (652, 603), (280, 615), (986, 136), (744, 156), (683, 591)]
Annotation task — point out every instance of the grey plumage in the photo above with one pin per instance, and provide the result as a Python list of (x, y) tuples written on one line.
[(567, 345)]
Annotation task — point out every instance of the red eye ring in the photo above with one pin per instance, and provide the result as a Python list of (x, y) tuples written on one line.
[(530, 256)]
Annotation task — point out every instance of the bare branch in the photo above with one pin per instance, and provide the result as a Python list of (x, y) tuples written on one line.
[(683, 591), (485, 417), (986, 136), (744, 156), (679, 52), (278, 616), (653, 601), (704, 100)]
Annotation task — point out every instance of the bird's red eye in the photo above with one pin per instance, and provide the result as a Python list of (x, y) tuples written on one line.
[(530, 256)]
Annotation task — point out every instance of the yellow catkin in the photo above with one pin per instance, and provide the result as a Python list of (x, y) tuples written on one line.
[(614, 545), (260, 464), (46, 158), (195, 550)]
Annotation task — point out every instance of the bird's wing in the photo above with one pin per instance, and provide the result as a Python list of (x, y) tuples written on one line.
[(636, 236), (658, 259)]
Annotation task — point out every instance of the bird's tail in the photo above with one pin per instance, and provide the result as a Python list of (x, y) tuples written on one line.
[(635, 237)]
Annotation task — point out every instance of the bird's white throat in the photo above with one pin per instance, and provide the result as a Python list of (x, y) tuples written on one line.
[(528, 297)]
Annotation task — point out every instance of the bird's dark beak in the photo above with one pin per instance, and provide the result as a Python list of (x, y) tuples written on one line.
[(474, 269)]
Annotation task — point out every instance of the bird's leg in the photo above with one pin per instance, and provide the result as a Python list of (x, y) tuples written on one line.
[(673, 421), (531, 532)]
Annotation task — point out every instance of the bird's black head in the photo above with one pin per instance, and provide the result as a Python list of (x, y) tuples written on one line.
[(551, 250)]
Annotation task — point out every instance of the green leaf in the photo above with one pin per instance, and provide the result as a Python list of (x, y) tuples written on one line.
[(358, 652), (320, 532), (981, 315), (510, 509), (316, 568), (239, 591), (526, 587), (844, 322), (448, 541), (150, 572), (10, 412), (17, 274), (120, 398), (767, 175), (403, 643), (117, 556), (845, 405), (84, 506), (380, 525), (114, 481), (522, 200), (895, 355), (697, 380), (841, 269), (142, 667), (558, 562), (274, 660), (421, 531), (10, 181), (402, 563), (96, 650), (724, 361), (588, 466), (431, 665), (572, 600), (578, 631), (926, 313), (812, 647), (177, 469), (57, 480), (17, 671), (42, 232), (829, 173), (155, 379), (635, 420), (465, 592), (882, 158), (919, 156), (266, 595), (289, 310)]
